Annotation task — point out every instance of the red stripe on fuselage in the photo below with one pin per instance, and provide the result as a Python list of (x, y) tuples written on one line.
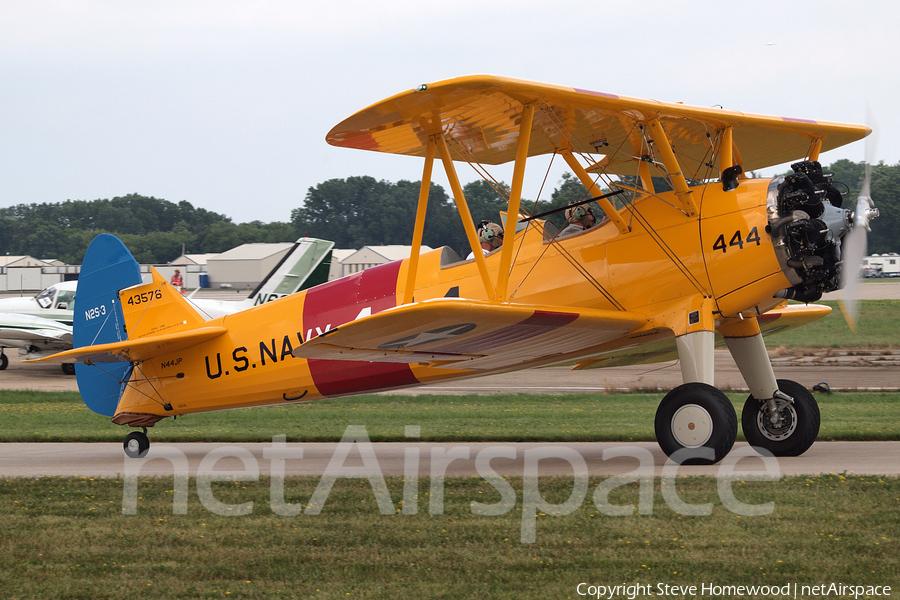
[(332, 304)]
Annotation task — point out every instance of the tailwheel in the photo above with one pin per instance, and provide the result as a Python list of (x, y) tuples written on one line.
[(694, 419), (68, 368), (137, 444), (786, 425)]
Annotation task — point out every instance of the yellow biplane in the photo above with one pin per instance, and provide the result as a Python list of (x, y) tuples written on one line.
[(688, 252)]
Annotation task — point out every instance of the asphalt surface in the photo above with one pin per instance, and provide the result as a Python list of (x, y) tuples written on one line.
[(840, 372), (390, 459)]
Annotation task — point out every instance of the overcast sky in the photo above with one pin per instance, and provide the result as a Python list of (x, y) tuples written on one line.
[(226, 104)]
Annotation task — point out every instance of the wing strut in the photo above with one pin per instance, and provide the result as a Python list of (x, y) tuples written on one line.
[(661, 141), (465, 215), (726, 155), (419, 229), (515, 198), (645, 178), (815, 148), (593, 190)]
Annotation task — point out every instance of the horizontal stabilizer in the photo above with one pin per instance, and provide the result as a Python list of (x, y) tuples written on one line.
[(469, 334), (135, 350)]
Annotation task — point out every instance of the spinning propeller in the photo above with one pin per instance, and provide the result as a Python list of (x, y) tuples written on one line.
[(855, 243)]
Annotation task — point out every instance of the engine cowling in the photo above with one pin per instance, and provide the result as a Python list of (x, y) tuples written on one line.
[(807, 224)]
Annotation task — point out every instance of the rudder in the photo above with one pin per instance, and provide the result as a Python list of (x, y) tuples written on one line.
[(108, 267)]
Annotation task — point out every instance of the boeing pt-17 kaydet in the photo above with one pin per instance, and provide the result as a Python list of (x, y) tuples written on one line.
[(713, 256)]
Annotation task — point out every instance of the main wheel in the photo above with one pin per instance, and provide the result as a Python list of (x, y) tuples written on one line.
[(4, 362), (68, 368), (137, 444), (694, 416), (794, 427)]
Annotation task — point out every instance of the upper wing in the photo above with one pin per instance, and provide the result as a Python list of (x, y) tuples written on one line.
[(468, 334), (27, 328), (480, 117)]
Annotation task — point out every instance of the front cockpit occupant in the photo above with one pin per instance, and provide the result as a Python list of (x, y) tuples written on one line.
[(491, 237), (578, 218)]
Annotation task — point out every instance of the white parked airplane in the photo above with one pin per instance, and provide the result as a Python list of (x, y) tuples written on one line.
[(42, 325)]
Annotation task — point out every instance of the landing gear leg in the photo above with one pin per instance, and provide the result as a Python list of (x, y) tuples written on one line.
[(780, 416), (137, 444), (696, 354)]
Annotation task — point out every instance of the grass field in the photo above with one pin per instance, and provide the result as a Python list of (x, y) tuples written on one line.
[(67, 538), (878, 327), (62, 416)]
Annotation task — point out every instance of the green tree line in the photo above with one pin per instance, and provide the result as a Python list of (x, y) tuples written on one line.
[(154, 230), (352, 212)]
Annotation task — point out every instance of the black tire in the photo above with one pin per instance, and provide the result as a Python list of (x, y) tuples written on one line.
[(796, 431), (4, 362), (695, 418), (137, 444), (68, 368)]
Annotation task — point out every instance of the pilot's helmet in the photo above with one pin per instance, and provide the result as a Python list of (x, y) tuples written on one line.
[(491, 233), (575, 214)]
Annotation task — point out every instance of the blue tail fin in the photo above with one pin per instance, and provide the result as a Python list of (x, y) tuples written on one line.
[(108, 267)]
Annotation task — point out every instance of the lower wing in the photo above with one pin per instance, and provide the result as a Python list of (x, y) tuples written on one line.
[(468, 334)]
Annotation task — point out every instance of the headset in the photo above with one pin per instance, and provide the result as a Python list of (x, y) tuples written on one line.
[(578, 213), (489, 234)]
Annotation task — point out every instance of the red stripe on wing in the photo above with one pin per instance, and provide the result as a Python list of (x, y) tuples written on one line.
[(538, 323)]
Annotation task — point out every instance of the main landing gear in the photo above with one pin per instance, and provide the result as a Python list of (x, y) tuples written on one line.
[(137, 444), (696, 423), (4, 361), (786, 425)]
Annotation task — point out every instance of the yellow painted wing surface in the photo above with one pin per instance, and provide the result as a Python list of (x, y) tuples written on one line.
[(479, 115), (774, 321), (466, 334)]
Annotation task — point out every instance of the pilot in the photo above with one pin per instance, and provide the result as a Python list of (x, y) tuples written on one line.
[(491, 237), (579, 218)]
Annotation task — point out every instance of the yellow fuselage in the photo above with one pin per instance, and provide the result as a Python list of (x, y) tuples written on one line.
[(716, 265)]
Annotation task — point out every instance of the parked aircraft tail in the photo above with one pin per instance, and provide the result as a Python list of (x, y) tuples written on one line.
[(304, 266)]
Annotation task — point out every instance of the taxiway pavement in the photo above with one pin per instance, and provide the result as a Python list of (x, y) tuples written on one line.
[(450, 459)]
